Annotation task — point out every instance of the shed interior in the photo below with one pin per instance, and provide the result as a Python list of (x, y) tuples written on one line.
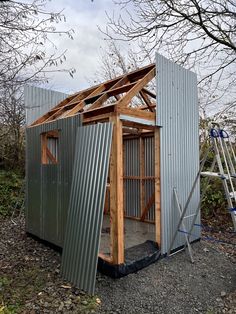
[(132, 210)]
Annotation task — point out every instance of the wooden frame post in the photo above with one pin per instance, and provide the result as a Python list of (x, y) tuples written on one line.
[(116, 193), (157, 186)]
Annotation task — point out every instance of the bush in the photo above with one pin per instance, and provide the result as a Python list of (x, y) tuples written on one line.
[(11, 192)]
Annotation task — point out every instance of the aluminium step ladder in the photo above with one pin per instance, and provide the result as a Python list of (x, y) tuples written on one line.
[(226, 164), (224, 159)]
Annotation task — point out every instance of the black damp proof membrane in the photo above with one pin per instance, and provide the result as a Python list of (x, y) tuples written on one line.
[(136, 258)]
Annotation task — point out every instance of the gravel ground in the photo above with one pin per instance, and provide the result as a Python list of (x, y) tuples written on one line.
[(30, 281), (174, 285)]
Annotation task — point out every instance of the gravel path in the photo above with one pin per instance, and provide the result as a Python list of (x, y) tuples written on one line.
[(174, 285), (30, 281)]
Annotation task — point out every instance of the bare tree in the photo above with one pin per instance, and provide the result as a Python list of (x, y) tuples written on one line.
[(115, 61), (199, 34), (27, 54), (27, 50), (12, 117)]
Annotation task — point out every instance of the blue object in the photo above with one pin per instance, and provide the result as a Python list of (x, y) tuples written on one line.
[(223, 134), (214, 133)]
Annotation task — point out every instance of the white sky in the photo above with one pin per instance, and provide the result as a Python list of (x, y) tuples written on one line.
[(83, 16)]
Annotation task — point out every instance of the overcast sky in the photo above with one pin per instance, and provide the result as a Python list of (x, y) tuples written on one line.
[(83, 52)]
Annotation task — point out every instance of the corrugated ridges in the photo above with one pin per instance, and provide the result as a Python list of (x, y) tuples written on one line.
[(48, 186), (177, 114), (81, 246), (39, 101)]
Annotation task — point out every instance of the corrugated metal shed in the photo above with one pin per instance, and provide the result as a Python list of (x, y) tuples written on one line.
[(48, 186), (177, 114), (82, 239), (39, 101)]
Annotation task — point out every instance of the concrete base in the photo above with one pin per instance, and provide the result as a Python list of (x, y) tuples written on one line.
[(136, 232)]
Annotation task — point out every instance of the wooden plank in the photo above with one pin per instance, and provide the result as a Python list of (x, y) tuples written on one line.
[(111, 92), (138, 219), (148, 92), (99, 101), (62, 104), (99, 111), (77, 98), (138, 125), (50, 156), (102, 117), (121, 82), (138, 178), (125, 100), (139, 73), (54, 134), (143, 133), (131, 131), (135, 112), (147, 101), (157, 186), (148, 206), (116, 193), (146, 107), (82, 103), (44, 117), (44, 148)]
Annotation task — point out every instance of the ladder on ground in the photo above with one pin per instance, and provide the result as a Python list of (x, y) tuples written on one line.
[(225, 160)]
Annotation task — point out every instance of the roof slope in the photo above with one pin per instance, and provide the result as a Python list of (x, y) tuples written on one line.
[(117, 92)]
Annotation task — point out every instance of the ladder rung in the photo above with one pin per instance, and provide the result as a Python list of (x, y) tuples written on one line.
[(232, 194), (215, 175), (189, 216)]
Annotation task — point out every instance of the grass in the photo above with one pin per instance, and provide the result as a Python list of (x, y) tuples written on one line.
[(11, 192)]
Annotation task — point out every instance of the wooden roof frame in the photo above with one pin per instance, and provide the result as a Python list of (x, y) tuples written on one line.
[(123, 89)]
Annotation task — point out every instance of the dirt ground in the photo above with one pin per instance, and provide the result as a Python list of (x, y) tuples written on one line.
[(30, 281)]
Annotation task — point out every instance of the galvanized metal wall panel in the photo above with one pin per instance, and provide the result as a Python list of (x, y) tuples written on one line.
[(177, 114), (149, 171), (38, 101), (33, 182), (132, 168), (91, 164), (48, 186), (132, 186)]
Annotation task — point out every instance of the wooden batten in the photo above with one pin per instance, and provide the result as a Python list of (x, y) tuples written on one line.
[(116, 193)]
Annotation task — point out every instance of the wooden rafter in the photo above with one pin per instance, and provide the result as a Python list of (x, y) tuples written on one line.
[(146, 100), (123, 88)]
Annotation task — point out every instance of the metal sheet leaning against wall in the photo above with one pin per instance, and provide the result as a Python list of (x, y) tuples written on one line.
[(84, 223)]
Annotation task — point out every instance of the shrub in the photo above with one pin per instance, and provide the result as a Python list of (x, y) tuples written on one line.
[(11, 192)]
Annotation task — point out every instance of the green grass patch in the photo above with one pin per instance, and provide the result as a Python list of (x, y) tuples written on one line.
[(11, 192)]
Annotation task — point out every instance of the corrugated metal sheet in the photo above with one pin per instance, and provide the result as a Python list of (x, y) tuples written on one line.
[(177, 114), (91, 163), (149, 171), (48, 186), (39, 101), (132, 169)]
